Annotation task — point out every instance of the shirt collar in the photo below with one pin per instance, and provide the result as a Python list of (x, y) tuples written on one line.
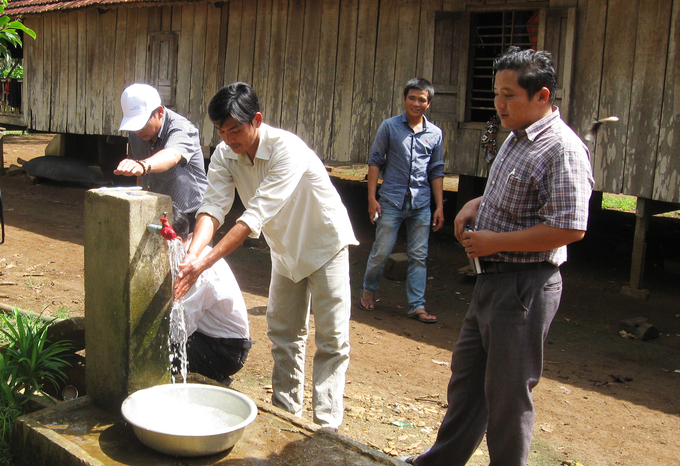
[(163, 129), (541, 125), (263, 150), (405, 121)]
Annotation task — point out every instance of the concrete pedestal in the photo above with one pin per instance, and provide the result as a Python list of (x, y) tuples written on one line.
[(76, 433), (128, 294)]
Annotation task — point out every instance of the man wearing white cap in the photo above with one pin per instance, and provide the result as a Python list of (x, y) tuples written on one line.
[(164, 149)]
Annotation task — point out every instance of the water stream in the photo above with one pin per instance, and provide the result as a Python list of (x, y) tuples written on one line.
[(177, 337)]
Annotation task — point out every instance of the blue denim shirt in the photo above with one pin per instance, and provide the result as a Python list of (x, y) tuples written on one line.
[(410, 160)]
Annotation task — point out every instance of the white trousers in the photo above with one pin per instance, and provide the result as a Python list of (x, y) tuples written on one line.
[(328, 292)]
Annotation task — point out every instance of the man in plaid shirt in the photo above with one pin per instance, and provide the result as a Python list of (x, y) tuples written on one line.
[(535, 203)]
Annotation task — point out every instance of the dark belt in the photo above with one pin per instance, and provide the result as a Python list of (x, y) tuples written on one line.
[(237, 342), (505, 267)]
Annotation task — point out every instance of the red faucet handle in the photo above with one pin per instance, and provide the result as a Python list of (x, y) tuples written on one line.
[(167, 232)]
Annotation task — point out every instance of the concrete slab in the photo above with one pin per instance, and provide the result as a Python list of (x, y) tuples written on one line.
[(77, 433), (637, 293)]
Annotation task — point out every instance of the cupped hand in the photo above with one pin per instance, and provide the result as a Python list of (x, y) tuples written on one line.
[(189, 271), (129, 167)]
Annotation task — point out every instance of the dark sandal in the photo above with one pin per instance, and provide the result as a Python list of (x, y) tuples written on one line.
[(371, 303), (418, 315)]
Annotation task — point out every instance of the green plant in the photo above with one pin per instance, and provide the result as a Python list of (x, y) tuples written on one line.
[(29, 361), (625, 203), (9, 32), (12, 68), (33, 284), (619, 202), (8, 414), (62, 313)]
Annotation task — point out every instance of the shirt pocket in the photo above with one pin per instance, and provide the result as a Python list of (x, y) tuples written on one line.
[(518, 195)]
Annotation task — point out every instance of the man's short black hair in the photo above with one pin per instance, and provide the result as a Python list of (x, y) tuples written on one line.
[(237, 100), (180, 223), (535, 70), (422, 85)]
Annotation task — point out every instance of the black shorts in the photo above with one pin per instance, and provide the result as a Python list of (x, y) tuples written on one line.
[(216, 358)]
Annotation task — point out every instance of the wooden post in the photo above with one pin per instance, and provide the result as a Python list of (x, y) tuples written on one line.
[(637, 267), (646, 208), (2, 151)]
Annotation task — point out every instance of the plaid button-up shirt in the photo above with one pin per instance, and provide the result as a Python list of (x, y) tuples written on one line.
[(541, 175), (186, 182)]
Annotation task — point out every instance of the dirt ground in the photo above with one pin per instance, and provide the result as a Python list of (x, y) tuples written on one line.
[(603, 399)]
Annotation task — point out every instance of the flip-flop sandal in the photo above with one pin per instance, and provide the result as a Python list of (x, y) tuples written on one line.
[(371, 302), (419, 317)]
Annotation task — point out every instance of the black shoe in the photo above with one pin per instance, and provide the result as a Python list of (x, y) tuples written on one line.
[(226, 381)]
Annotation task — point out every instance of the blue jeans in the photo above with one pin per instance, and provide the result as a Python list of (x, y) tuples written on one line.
[(417, 236)]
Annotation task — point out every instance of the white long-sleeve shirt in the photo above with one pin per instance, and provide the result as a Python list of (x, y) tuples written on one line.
[(214, 305), (288, 197)]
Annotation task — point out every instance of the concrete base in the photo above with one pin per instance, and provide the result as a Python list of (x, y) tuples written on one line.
[(628, 290), (77, 433), (128, 294)]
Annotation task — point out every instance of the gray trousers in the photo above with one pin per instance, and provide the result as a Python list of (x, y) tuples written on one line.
[(496, 363), (327, 294)]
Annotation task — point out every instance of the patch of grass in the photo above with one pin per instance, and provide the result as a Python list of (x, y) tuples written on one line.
[(8, 414), (10, 321), (62, 313), (33, 284), (619, 202), (624, 203), (14, 133)]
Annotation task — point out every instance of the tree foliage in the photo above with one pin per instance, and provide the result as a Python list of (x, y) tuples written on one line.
[(10, 32)]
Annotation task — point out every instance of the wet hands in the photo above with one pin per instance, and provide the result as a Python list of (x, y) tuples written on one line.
[(189, 271)]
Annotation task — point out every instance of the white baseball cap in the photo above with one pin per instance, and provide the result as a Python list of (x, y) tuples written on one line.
[(138, 102)]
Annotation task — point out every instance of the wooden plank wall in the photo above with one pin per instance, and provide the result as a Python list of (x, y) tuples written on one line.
[(333, 70), (626, 64), (667, 169), (330, 70)]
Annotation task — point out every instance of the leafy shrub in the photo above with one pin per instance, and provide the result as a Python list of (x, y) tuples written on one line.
[(10, 32), (28, 363)]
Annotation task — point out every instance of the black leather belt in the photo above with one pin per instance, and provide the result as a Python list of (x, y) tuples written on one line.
[(505, 267), (237, 342)]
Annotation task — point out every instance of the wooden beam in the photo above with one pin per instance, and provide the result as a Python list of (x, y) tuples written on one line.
[(637, 267)]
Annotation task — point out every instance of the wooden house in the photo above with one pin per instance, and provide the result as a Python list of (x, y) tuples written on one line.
[(332, 70)]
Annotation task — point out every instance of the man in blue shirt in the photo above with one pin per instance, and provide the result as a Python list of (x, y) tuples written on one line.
[(409, 149)]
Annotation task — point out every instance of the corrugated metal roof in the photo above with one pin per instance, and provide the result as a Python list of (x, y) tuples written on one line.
[(27, 7)]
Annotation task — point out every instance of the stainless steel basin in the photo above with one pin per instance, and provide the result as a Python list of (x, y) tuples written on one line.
[(188, 419)]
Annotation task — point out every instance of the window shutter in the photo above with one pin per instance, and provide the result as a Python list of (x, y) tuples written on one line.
[(162, 60), (556, 34), (450, 65)]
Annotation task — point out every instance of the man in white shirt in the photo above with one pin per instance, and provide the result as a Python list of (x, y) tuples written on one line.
[(216, 318), (289, 198)]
